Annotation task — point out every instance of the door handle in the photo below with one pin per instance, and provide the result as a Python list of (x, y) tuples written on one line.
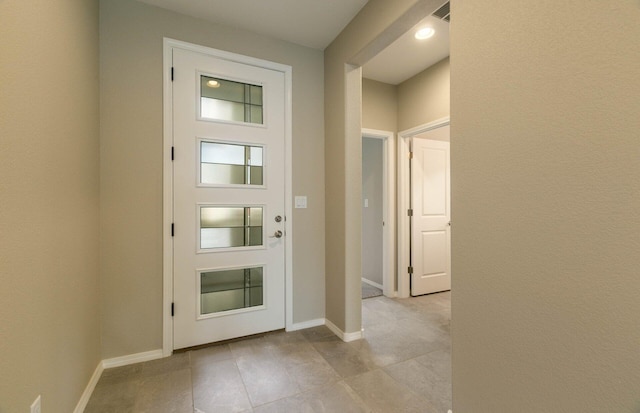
[(277, 234)]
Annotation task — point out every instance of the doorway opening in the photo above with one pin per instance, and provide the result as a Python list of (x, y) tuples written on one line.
[(378, 213), (424, 248)]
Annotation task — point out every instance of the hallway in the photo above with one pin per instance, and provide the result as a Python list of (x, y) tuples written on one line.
[(402, 365)]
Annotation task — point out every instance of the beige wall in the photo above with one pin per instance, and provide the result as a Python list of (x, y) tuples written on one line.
[(419, 100), (131, 165), (379, 106), (49, 324), (425, 97), (545, 191)]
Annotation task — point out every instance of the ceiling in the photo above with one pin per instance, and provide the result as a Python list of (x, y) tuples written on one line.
[(315, 24), (409, 56), (311, 23)]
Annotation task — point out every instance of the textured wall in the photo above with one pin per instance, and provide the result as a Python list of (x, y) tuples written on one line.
[(49, 324), (425, 97), (546, 187), (131, 165), (379, 106)]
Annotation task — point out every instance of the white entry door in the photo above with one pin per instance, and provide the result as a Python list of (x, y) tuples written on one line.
[(228, 199), (430, 223)]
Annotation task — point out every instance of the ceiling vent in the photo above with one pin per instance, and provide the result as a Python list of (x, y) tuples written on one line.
[(443, 12)]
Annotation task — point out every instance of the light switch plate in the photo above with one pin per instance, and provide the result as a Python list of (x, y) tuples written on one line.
[(301, 202)]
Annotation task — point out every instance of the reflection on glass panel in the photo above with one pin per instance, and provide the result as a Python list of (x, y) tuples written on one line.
[(222, 237), (215, 174), (255, 236), (226, 290), (229, 227), (255, 177), (255, 217), (255, 157), (222, 99), (220, 217), (221, 109), (213, 152), (256, 114), (230, 164)]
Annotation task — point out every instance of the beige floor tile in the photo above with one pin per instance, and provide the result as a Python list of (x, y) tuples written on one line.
[(333, 398), (314, 374), (295, 354), (210, 355), (265, 379), (218, 387), (346, 360), (383, 394), (402, 365), (314, 333), (432, 384), (178, 361), (165, 393), (114, 397)]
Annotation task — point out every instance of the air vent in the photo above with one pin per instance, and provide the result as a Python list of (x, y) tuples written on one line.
[(443, 12)]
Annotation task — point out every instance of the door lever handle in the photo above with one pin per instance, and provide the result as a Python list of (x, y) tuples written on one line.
[(277, 234)]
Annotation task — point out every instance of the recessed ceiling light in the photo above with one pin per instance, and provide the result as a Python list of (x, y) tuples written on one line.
[(425, 33), (213, 83)]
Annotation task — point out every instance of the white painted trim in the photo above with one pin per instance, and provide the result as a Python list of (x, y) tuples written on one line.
[(404, 191), (306, 324), (88, 391), (132, 359), (167, 269), (288, 195), (167, 201), (388, 209), (372, 283), (346, 337)]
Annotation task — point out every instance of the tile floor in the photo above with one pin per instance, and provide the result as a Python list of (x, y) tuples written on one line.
[(402, 365), (369, 291)]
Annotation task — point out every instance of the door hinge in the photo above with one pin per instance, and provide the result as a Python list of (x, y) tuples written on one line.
[(410, 212), (172, 229), (173, 155), (172, 74), (410, 270), (410, 153), (172, 309)]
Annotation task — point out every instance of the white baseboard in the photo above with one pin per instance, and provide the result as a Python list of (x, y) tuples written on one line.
[(306, 324), (88, 391), (346, 337), (132, 359), (108, 363), (373, 283)]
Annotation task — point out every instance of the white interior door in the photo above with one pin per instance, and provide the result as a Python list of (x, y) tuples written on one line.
[(228, 199), (430, 223)]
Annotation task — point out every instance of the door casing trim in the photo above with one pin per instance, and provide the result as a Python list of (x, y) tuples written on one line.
[(167, 179), (404, 191)]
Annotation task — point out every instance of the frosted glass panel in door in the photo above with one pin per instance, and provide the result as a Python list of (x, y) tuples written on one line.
[(226, 100), (230, 227), (226, 290), (228, 164)]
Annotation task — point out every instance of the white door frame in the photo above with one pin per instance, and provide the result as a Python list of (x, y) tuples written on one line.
[(404, 191), (167, 177), (388, 207)]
